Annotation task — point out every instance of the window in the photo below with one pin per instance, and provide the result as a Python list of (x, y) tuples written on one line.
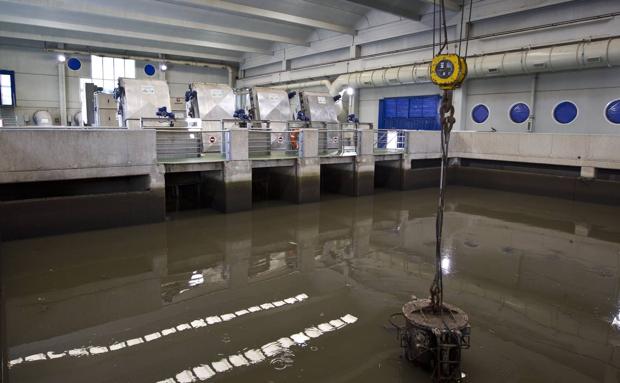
[(565, 112), (7, 88), (519, 112), (612, 112), (414, 113), (480, 113), (105, 71)]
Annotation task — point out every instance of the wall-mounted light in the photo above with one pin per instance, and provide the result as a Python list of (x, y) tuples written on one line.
[(61, 58), (163, 67), (350, 91)]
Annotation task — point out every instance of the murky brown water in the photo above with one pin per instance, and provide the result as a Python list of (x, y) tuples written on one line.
[(539, 277)]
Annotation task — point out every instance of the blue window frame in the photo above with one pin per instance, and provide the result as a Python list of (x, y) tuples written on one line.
[(7, 88), (519, 112), (565, 112), (480, 113), (411, 113), (612, 112)]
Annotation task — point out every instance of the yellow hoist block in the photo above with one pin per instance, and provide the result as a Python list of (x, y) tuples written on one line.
[(448, 71)]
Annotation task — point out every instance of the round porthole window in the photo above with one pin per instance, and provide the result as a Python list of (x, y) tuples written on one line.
[(612, 112), (74, 63), (519, 113), (565, 112), (480, 113), (149, 69)]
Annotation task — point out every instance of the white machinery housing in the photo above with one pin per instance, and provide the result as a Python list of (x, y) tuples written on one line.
[(140, 98)]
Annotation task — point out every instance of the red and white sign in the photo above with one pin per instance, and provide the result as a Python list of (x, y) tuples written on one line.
[(212, 139), (280, 139), (335, 139)]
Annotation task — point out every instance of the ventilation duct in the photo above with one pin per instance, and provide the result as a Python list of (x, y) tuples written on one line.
[(582, 55)]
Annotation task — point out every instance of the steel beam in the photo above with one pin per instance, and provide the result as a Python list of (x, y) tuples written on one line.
[(250, 11), (125, 33), (122, 47), (96, 10)]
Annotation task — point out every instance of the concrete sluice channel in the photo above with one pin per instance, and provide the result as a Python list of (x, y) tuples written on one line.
[(303, 292)]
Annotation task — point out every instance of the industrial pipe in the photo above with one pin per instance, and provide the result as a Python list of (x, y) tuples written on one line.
[(307, 84), (582, 55)]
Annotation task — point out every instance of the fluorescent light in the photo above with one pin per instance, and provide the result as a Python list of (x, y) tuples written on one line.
[(163, 67), (350, 91), (61, 58)]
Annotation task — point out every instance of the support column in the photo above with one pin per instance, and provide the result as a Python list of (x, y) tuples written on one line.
[(235, 191), (62, 93), (364, 166), (308, 167)]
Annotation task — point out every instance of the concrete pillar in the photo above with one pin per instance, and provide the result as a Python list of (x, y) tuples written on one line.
[(308, 167), (235, 190), (397, 173), (364, 166), (62, 93)]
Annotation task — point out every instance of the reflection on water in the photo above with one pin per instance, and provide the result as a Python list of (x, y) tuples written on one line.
[(195, 297)]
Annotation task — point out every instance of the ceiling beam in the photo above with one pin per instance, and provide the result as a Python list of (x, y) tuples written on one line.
[(122, 47), (451, 5), (409, 9), (250, 11), (98, 10), (129, 34)]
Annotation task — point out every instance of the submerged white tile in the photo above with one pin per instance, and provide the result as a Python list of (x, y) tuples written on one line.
[(168, 331), (300, 338), (221, 365), (337, 323), (286, 342), (238, 360), (349, 318), (278, 303), (198, 323), (97, 350), (254, 356), (214, 319), (203, 372), (183, 327), (134, 341), (290, 301), (185, 377), (241, 312), (227, 317), (254, 309), (313, 332), (35, 357), (15, 362), (271, 349), (117, 346), (79, 352), (266, 306), (326, 327), (53, 355)]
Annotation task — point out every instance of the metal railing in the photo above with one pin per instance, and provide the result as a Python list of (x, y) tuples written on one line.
[(176, 143), (338, 142), (273, 143), (390, 141)]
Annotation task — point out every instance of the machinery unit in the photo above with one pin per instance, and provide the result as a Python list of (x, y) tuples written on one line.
[(211, 104), (273, 105), (142, 98), (105, 110), (321, 110)]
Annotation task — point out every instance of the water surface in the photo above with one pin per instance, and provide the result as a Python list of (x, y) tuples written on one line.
[(539, 278)]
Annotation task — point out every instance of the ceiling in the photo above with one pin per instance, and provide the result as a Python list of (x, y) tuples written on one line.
[(202, 30)]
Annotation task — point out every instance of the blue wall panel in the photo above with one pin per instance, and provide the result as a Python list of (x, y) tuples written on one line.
[(411, 113)]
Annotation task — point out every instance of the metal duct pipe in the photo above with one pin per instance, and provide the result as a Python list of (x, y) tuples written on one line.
[(307, 84), (582, 55)]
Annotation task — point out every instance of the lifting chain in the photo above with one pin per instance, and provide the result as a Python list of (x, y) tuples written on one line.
[(447, 120)]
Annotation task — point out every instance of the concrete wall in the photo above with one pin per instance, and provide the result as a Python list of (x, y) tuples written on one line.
[(36, 78), (585, 150)]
